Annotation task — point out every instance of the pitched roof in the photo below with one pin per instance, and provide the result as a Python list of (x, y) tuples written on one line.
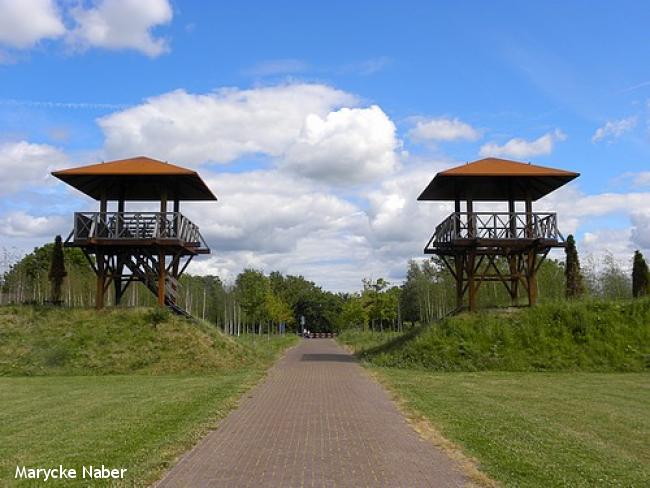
[(503, 167), (139, 178), (493, 179), (140, 165)]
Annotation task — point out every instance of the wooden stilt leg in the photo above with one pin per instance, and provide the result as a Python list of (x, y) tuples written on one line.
[(471, 288), (458, 263), (532, 278), (117, 279), (101, 278), (161, 279), (514, 279)]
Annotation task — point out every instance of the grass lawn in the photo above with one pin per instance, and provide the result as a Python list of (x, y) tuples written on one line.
[(539, 429), (137, 422)]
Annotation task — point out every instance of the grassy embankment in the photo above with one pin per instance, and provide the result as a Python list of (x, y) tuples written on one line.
[(123, 388), (553, 396)]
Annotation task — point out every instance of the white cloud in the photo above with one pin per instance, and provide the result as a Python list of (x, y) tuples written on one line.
[(641, 179), (443, 129), (396, 217), (267, 211), (347, 146), (614, 129), (23, 163), (220, 126), (640, 234), (21, 224), (122, 24), (521, 148), (25, 22), (273, 220)]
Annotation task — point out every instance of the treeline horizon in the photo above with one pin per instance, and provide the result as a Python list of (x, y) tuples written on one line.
[(256, 302)]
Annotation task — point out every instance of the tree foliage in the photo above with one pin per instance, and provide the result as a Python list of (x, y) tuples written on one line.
[(574, 283), (57, 271)]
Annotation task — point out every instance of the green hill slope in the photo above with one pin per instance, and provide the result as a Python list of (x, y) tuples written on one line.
[(51, 341), (587, 336)]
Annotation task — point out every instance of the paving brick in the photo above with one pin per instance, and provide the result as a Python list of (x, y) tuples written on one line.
[(317, 420)]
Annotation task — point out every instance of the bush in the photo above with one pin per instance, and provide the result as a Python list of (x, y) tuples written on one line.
[(158, 315)]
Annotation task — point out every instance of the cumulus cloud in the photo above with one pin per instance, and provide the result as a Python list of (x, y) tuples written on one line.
[(25, 22), (21, 224), (614, 129), (598, 243), (220, 126), (273, 220), (521, 148), (267, 211), (122, 24), (443, 129), (311, 130), (23, 163), (641, 179), (640, 233), (346, 146)]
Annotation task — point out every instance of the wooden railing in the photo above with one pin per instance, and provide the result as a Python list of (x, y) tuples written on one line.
[(123, 226), (497, 226)]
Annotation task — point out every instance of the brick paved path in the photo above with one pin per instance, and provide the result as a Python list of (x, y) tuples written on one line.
[(317, 421)]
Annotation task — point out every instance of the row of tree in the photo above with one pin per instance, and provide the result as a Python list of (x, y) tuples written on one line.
[(607, 281), (258, 303)]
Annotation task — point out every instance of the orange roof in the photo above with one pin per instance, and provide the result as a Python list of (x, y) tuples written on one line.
[(140, 178), (140, 165), (504, 167), (493, 179)]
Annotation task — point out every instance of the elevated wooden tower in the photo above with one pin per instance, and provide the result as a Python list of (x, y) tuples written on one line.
[(470, 243), (150, 247)]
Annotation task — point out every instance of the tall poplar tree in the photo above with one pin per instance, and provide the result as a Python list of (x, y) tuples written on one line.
[(57, 271), (574, 284), (640, 276)]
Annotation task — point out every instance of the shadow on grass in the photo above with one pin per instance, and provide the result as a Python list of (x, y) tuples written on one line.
[(392, 344)]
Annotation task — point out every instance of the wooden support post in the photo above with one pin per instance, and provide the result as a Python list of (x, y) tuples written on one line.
[(529, 218), (101, 280), (456, 228), (103, 201), (175, 265), (459, 260), (531, 275), (471, 231), (514, 279), (177, 219), (512, 219), (471, 288), (163, 201), (161, 278), (163, 213), (103, 206)]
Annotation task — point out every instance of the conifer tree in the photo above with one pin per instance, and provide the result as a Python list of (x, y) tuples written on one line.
[(640, 276), (574, 285), (57, 271)]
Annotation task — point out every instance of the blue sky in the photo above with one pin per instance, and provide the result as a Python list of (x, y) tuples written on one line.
[(420, 85)]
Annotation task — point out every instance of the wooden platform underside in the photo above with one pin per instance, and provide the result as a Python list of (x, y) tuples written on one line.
[(492, 246), (167, 246)]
